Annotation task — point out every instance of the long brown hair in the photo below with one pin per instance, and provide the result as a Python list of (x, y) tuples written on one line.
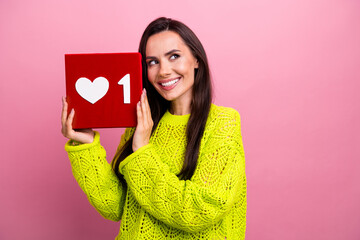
[(201, 95)]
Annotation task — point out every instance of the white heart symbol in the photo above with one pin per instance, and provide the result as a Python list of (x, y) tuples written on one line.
[(92, 91)]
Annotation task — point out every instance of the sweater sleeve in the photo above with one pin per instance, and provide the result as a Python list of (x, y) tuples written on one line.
[(190, 205), (96, 177)]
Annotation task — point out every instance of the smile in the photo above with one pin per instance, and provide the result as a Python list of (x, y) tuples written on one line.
[(167, 85)]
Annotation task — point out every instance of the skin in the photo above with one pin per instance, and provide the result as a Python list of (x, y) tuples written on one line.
[(168, 58)]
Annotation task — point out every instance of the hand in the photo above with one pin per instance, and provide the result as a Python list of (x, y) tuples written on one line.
[(144, 123), (81, 136)]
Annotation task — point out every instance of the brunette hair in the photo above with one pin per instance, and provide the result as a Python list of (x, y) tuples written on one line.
[(201, 95)]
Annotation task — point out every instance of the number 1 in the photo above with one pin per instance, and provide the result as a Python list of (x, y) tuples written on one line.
[(125, 81)]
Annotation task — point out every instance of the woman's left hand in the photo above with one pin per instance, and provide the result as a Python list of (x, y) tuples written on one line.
[(144, 123)]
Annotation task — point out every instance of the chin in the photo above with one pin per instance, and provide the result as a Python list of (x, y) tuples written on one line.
[(168, 97)]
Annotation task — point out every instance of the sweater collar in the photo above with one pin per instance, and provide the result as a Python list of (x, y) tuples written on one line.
[(175, 119)]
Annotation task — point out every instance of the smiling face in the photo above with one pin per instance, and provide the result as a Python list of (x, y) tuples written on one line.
[(171, 66)]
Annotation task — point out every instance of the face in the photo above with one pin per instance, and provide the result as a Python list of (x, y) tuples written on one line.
[(171, 66)]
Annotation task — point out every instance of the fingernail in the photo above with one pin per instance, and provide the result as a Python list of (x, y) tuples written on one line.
[(144, 91), (72, 111)]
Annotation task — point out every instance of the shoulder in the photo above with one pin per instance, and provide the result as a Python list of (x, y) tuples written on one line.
[(222, 128), (222, 122), (220, 114)]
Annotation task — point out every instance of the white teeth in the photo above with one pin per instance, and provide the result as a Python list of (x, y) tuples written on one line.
[(170, 83)]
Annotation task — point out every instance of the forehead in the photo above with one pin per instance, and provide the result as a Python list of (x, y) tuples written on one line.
[(163, 42)]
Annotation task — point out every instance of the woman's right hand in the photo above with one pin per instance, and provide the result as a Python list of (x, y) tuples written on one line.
[(82, 135)]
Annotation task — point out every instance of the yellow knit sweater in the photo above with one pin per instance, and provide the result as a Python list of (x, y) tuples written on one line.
[(156, 204)]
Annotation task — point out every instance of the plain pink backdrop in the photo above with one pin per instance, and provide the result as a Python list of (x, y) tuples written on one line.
[(291, 68)]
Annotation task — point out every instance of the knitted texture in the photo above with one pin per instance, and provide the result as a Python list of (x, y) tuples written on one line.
[(156, 204)]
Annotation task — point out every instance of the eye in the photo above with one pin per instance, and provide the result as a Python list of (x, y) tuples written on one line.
[(152, 62), (174, 56)]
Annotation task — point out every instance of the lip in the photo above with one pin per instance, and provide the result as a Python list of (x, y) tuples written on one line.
[(169, 80)]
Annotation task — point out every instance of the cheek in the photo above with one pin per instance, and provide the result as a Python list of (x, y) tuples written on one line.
[(151, 75), (185, 67), (182, 68)]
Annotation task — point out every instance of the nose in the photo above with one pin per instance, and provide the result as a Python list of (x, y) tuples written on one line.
[(165, 69)]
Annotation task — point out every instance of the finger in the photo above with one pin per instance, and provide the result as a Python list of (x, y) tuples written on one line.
[(69, 122), (64, 111), (139, 114), (148, 110), (143, 109)]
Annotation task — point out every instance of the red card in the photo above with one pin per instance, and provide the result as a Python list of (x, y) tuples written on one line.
[(103, 88)]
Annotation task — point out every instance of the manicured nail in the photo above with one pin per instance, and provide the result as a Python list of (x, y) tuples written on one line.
[(72, 111), (142, 95)]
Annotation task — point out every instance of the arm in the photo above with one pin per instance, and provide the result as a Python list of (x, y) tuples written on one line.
[(96, 177), (191, 205)]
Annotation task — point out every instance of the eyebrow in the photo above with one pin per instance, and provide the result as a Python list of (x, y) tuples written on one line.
[(166, 54)]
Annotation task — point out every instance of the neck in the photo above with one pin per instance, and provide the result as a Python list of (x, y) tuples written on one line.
[(180, 107)]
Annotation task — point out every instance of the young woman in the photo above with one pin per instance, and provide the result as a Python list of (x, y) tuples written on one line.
[(180, 174)]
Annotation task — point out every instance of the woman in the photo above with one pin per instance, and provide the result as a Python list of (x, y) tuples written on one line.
[(180, 174)]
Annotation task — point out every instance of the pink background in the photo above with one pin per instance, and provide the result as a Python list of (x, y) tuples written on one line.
[(291, 68)]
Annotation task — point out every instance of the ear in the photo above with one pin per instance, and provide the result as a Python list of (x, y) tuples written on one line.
[(197, 64)]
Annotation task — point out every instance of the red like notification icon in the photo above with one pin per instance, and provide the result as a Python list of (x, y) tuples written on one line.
[(103, 88)]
